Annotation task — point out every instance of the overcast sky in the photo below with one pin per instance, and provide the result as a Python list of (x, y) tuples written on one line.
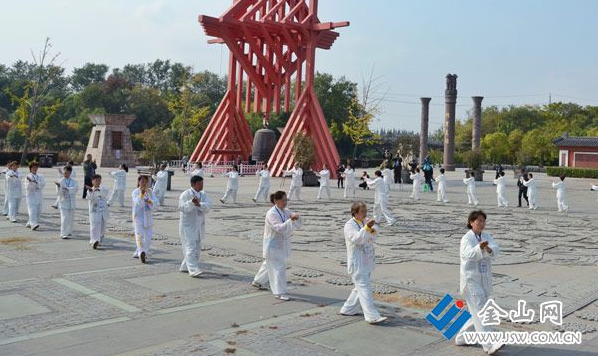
[(510, 51)]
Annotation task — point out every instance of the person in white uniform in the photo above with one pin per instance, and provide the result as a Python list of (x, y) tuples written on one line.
[(13, 190), (561, 193), (532, 191), (360, 234), (417, 179), (144, 202), (60, 175), (120, 185), (194, 205), (5, 206), (324, 176), (441, 189), (161, 184), (501, 190), (469, 181), (350, 183), (197, 170), (34, 184), (381, 210), (232, 185), (263, 188), (279, 227), (97, 196), (593, 187), (477, 251), (67, 187), (296, 182)]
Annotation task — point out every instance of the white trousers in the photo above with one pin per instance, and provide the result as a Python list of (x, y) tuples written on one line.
[(160, 195), (67, 216), (441, 195), (191, 248), (471, 198), (561, 203), (415, 192), (13, 208), (5, 204), (295, 192), (349, 188), (35, 211), (97, 231), (502, 199), (327, 191), (117, 194), (381, 211), (532, 201), (230, 193), (361, 298), (475, 303), (273, 270), (143, 239), (262, 193)]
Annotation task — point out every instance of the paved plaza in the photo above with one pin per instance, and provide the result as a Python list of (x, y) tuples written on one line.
[(60, 297)]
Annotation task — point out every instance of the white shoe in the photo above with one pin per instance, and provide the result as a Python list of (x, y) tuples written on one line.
[(196, 274), (258, 285), (27, 225), (378, 321), (64, 237), (282, 297)]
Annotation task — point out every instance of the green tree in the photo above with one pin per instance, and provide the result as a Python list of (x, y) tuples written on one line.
[(88, 74), (495, 147)]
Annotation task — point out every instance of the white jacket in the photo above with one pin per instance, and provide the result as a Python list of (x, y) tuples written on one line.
[(560, 188), (381, 193), (476, 265), (417, 179), (67, 190), (264, 175), (34, 188), (161, 178), (142, 210), (360, 247), (324, 177), (441, 181), (470, 183), (192, 224), (120, 179), (297, 177), (350, 177), (501, 184), (233, 180), (531, 185), (278, 230), (98, 205), (13, 184), (388, 176)]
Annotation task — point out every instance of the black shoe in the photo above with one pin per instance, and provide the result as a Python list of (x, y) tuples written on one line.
[(142, 257), (95, 245)]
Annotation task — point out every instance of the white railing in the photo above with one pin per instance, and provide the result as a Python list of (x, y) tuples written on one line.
[(215, 169)]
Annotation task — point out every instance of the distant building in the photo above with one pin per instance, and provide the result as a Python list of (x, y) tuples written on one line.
[(577, 152)]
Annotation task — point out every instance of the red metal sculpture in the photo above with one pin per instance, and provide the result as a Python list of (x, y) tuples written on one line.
[(272, 46)]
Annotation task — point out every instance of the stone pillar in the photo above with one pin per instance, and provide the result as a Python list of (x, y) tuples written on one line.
[(477, 122), (450, 100), (423, 134)]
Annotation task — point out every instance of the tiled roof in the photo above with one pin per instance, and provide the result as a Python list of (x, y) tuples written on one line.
[(567, 141)]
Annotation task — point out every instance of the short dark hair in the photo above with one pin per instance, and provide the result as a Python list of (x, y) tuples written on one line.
[(562, 176), (277, 196), (142, 177), (442, 170), (417, 170), (357, 206), (530, 175), (33, 164), (68, 168), (125, 167), (235, 167), (378, 173), (473, 216), (501, 173), (96, 176), (196, 179)]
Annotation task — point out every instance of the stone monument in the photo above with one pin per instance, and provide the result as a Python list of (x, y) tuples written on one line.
[(450, 100), (110, 140), (423, 135)]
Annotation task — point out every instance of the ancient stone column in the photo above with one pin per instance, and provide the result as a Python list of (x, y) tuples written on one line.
[(477, 122), (423, 134), (450, 100)]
